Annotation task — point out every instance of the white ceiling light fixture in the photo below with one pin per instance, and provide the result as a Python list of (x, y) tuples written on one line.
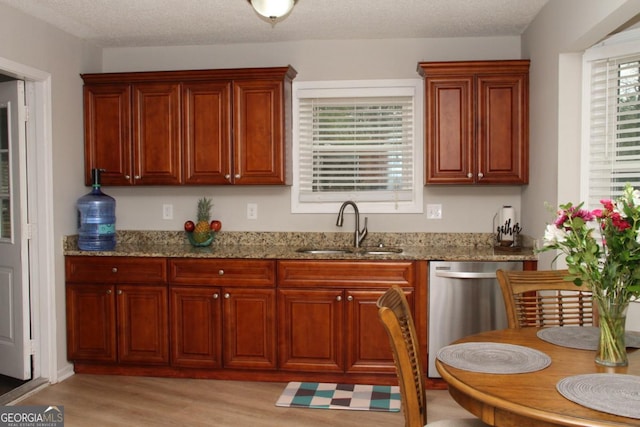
[(273, 9)]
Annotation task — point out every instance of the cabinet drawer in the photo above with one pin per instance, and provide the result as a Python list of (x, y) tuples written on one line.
[(228, 272), (345, 273), (116, 269)]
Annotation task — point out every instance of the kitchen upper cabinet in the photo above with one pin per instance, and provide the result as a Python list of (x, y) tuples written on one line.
[(261, 141), (207, 132), (132, 131), (214, 127), (477, 122), (156, 134), (117, 310)]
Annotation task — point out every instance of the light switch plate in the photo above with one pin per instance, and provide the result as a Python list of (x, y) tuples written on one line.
[(167, 211)]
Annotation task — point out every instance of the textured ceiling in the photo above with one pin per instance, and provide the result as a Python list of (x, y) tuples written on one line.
[(189, 22)]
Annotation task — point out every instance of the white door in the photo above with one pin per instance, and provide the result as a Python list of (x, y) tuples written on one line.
[(15, 348)]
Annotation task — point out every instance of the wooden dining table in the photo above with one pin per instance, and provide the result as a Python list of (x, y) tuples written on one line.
[(531, 399)]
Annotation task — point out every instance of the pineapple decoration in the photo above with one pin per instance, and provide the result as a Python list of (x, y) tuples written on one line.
[(201, 231)]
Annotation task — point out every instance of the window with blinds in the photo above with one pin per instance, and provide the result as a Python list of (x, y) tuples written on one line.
[(357, 141), (614, 126)]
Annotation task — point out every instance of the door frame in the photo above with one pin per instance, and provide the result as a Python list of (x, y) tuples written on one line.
[(40, 216)]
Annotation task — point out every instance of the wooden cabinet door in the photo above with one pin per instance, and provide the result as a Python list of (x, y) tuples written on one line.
[(367, 343), (207, 132), (311, 325), (91, 322), (249, 328), (259, 132), (502, 136), (449, 130), (143, 328), (107, 133), (157, 134), (196, 327)]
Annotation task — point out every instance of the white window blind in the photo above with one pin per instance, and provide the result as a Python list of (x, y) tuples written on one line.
[(354, 145), (614, 127), (357, 143)]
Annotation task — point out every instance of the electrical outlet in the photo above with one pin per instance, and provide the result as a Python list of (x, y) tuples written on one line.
[(167, 211), (252, 211), (434, 211)]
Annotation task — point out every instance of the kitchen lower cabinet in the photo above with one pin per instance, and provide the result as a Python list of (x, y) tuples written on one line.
[(117, 324), (333, 331), (113, 317), (236, 319), (196, 327), (328, 318), (232, 325)]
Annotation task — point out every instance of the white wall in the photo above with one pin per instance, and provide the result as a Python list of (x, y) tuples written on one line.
[(554, 42), (140, 208), (36, 45)]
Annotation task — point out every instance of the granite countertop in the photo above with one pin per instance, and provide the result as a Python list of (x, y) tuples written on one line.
[(284, 245)]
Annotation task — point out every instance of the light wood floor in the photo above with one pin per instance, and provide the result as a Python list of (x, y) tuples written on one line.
[(98, 401)]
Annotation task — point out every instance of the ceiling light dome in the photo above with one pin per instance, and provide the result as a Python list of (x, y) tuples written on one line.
[(272, 9)]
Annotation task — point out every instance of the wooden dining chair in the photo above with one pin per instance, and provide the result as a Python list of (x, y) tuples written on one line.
[(396, 318), (545, 298)]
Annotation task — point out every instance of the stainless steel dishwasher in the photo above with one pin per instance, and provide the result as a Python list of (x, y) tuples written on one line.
[(464, 299)]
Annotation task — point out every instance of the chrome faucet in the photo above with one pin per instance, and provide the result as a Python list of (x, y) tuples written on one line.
[(359, 234)]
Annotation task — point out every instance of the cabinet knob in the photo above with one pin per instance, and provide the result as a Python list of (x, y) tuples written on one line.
[(469, 175), (216, 296), (108, 291), (137, 177), (350, 298), (480, 175), (120, 292), (221, 272), (114, 269), (237, 175), (227, 177), (338, 298), (227, 295), (127, 176)]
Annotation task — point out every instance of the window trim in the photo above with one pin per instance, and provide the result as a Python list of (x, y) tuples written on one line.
[(346, 88)]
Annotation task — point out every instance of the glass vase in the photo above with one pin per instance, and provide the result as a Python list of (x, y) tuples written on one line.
[(612, 350)]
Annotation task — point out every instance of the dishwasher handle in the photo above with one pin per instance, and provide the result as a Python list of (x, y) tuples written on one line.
[(466, 274)]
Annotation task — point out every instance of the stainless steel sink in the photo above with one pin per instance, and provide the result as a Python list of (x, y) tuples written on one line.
[(372, 250), (325, 250), (376, 250)]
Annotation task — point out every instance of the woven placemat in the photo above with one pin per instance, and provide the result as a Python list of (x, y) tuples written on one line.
[(582, 337), (616, 394), (493, 358)]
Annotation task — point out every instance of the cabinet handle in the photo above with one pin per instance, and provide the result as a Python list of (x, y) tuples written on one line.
[(216, 296), (350, 298), (237, 175), (220, 272), (108, 291), (137, 177), (338, 298), (227, 177), (480, 175), (114, 269), (120, 292), (227, 296), (469, 175)]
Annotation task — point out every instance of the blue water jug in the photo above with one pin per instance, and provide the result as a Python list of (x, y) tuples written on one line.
[(96, 219)]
